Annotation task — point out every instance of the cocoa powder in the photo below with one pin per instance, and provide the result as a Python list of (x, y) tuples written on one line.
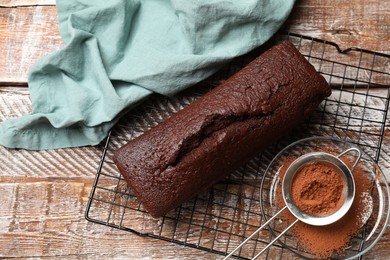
[(317, 189), (324, 241)]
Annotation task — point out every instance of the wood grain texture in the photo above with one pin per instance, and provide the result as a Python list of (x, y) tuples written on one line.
[(45, 219), (24, 3), (358, 23), (26, 34), (43, 194)]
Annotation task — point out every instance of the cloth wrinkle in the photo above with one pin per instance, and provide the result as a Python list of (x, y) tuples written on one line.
[(117, 53)]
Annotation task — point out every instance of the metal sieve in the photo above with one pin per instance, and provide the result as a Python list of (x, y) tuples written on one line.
[(348, 193)]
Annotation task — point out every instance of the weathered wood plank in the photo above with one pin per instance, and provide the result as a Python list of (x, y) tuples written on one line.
[(24, 3), (26, 34), (361, 23), (45, 219)]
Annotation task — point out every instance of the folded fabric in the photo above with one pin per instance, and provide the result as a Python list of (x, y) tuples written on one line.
[(118, 52)]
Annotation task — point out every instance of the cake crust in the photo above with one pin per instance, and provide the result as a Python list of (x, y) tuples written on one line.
[(222, 130)]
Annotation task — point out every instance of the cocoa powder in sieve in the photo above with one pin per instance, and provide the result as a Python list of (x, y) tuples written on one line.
[(317, 189), (324, 241)]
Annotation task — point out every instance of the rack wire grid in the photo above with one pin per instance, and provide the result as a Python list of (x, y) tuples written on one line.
[(221, 218)]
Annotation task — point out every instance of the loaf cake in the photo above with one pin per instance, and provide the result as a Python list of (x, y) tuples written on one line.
[(222, 130)]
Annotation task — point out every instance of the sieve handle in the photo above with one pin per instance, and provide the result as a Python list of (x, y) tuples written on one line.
[(276, 238), (258, 230), (353, 149)]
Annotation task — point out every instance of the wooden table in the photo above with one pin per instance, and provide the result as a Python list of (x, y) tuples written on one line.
[(43, 194)]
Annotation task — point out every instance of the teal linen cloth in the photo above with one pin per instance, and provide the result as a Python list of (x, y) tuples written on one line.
[(118, 52)]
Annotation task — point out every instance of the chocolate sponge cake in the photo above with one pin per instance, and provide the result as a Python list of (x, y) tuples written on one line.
[(222, 130)]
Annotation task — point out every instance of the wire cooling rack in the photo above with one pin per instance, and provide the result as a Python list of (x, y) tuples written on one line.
[(219, 219)]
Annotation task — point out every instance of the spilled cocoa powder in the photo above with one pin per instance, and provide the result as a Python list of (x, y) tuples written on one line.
[(317, 189), (324, 241)]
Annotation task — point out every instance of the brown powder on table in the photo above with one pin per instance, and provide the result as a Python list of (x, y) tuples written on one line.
[(317, 189), (323, 241)]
